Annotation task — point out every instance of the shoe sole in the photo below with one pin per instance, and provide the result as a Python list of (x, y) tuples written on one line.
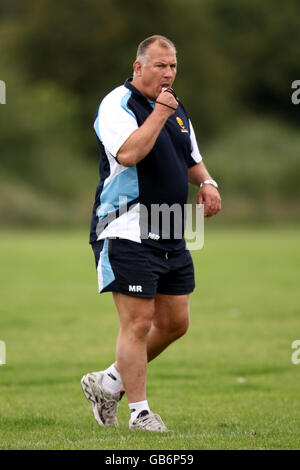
[(91, 397)]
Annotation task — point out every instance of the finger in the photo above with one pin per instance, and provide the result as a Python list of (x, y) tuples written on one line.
[(168, 97), (207, 209), (200, 199), (170, 90), (213, 209)]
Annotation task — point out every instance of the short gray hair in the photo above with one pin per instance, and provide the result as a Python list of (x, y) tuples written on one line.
[(142, 49)]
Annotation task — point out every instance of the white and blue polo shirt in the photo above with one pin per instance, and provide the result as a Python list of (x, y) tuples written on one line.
[(125, 195)]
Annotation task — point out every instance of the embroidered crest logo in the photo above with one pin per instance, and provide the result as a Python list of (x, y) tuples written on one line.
[(180, 122)]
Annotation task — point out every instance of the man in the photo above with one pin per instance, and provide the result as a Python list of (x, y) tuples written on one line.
[(149, 154)]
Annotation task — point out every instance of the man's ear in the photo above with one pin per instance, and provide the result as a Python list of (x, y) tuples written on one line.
[(137, 67)]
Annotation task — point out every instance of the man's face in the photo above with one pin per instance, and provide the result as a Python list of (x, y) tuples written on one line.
[(158, 72)]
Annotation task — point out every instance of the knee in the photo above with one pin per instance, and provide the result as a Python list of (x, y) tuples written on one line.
[(175, 329), (140, 328), (140, 324), (136, 320), (181, 328)]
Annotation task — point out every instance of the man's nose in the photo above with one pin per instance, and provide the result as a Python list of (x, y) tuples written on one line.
[(168, 72)]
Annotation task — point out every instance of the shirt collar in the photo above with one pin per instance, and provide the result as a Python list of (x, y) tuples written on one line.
[(132, 88)]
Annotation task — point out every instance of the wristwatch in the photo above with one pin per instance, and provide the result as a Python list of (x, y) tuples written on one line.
[(213, 182)]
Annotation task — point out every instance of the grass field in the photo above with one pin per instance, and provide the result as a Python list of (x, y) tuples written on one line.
[(229, 383)]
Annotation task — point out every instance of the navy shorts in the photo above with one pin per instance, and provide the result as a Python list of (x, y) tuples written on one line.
[(142, 271)]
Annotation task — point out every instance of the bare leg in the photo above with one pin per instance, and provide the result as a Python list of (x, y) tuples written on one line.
[(147, 327), (170, 321), (135, 316)]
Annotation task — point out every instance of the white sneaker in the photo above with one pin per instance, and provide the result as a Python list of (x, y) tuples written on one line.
[(148, 421), (104, 404)]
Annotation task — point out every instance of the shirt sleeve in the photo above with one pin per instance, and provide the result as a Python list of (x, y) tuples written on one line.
[(115, 122), (195, 156)]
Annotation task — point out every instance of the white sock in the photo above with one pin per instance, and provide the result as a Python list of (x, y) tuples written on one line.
[(112, 381), (136, 408)]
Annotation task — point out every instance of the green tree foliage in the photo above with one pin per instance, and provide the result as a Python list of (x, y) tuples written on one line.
[(59, 58), (231, 54)]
